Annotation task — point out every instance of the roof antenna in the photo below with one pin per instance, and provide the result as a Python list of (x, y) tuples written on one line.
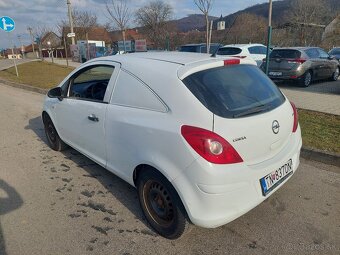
[(215, 53)]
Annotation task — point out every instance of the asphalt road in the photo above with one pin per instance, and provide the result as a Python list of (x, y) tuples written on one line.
[(323, 86), (63, 203)]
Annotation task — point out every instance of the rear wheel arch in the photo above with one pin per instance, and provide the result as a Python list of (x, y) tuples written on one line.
[(142, 176)]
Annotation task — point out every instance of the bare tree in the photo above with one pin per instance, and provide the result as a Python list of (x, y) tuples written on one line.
[(307, 16), (120, 14), (39, 32), (247, 28), (154, 18), (205, 7), (83, 22)]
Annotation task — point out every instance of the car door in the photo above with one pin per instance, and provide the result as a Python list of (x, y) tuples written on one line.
[(257, 53), (80, 116), (327, 64), (317, 64)]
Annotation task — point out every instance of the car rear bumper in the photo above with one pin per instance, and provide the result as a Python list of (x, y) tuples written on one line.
[(286, 75), (214, 195)]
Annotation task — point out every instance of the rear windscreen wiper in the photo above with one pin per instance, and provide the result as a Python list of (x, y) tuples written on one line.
[(257, 109)]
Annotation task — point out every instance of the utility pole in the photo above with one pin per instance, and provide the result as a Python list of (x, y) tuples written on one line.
[(70, 19), (22, 46), (269, 34), (32, 38)]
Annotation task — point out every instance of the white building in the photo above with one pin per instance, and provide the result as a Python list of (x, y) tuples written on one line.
[(221, 24)]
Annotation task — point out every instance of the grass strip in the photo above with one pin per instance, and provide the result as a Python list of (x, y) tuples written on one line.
[(38, 74), (320, 130)]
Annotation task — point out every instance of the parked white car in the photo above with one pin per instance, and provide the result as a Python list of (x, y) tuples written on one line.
[(204, 140), (255, 51)]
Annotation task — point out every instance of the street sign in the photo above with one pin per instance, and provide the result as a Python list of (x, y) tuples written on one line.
[(7, 24), (69, 35)]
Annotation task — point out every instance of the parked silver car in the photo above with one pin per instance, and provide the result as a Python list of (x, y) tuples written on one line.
[(302, 64)]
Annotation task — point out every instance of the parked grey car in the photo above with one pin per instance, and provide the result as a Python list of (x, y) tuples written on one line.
[(302, 64), (335, 52)]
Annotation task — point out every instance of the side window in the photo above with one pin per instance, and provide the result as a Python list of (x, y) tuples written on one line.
[(91, 83), (131, 92), (253, 50), (322, 53), (262, 50), (312, 53)]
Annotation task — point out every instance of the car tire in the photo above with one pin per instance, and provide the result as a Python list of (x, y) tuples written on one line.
[(53, 139), (161, 204), (335, 75), (306, 79)]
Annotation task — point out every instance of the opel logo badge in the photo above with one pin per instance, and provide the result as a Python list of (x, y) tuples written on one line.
[(275, 127)]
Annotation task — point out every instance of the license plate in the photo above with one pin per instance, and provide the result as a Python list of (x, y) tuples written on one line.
[(272, 180), (275, 73)]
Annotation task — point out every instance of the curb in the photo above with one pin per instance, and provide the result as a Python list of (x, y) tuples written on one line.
[(320, 156), (306, 153), (24, 86)]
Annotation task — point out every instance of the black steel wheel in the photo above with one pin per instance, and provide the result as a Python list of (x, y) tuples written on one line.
[(52, 136), (161, 204)]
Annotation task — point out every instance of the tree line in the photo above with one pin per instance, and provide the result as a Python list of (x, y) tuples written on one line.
[(303, 26)]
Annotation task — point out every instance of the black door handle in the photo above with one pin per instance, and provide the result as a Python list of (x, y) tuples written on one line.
[(93, 117)]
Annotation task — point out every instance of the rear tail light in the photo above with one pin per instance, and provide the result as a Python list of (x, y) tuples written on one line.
[(231, 62), (297, 60), (210, 146), (296, 117)]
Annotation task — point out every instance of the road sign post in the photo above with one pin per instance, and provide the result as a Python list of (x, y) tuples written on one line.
[(8, 25)]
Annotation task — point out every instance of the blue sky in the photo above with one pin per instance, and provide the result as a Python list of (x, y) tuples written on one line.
[(49, 12)]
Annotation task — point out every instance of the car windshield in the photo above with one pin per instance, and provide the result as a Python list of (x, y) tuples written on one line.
[(291, 54), (234, 91), (335, 51)]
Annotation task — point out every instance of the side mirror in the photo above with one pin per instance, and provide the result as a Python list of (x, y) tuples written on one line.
[(55, 93), (331, 57)]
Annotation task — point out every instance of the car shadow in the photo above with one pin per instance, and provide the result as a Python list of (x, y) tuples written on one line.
[(9, 203), (118, 188)]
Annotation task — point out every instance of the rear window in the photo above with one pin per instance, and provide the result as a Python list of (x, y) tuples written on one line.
[(229, 51), (234, 91), (285, 54)]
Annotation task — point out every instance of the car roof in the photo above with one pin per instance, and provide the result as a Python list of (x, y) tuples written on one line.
[(175, 57), (243, 45), (295, 48)]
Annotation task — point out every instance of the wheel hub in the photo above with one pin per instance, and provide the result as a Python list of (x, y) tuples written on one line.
[(159, 203)]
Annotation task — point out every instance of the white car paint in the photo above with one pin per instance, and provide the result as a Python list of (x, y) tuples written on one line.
[(246, 51), (140, 120)]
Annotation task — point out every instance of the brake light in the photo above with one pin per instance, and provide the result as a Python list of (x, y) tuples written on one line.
[(297, 60), (296, 117), (231, 62), (210, 145)]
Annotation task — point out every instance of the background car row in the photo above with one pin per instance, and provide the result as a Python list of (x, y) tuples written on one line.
[(303, 65)]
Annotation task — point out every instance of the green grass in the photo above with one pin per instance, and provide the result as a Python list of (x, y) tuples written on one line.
[(320, 130), (38, 74)]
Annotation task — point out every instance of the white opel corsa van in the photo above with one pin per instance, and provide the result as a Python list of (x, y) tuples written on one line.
[(203, 139)]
